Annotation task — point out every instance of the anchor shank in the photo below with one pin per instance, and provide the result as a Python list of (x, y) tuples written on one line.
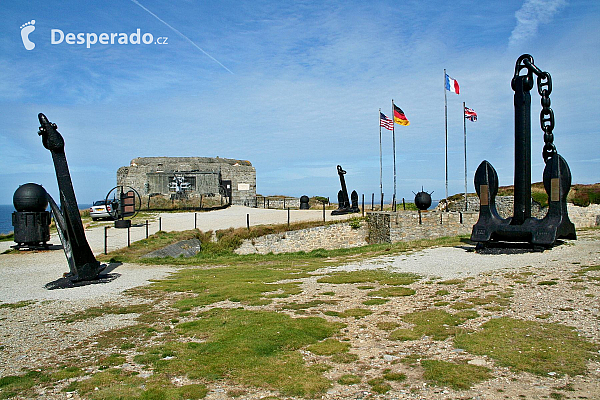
[(522, 181)]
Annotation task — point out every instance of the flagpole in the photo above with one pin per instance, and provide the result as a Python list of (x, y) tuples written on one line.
[(394, 149), (446, 126), (465, 141), (380, 157)]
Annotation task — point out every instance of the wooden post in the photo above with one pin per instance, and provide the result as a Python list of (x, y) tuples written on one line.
[(160, 223), (381, 202), (248, 221), (146, 229), (128, 236), (105, 238), (195, 219), (403, 204), (372, 200), (323, 211), (288, 217)]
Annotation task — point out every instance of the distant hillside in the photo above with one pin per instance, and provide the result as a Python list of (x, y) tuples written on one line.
[(580, 195)]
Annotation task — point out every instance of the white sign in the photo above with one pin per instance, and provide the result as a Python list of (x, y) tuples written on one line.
[(243, 186)]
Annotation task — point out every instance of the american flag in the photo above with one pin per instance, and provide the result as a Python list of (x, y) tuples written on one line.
[(385, 121), (470, 114)]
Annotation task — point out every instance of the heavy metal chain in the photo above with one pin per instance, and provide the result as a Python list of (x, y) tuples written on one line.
[(544, 84)]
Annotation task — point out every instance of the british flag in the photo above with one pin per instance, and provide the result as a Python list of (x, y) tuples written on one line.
[(470, 114)]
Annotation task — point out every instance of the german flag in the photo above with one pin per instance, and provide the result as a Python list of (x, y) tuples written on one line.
[(399, 116)]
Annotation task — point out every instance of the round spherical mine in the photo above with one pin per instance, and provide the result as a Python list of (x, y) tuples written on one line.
[(423, 200), (30, 197)]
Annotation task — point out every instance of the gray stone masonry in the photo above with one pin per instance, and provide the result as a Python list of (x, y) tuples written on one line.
[(277, 202), (336, 236), (388, 227)]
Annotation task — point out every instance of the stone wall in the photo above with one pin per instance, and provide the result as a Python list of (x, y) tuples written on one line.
[(207, 176), (277, 202), (389, 227), (335, 236)]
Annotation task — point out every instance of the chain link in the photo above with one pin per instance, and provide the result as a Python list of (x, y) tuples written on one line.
[(544, 84)]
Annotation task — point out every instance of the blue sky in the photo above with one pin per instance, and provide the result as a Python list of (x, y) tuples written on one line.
[(295, 88)]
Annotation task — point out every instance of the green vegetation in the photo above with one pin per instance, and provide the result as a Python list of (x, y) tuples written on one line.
[(393, 291), (250, 347), (355, 312), (375, 302), (530, 346), (349, 379), (20, 304), (7, 237), (379, 385), (456, 376), (437, 324), (94, 312), (329, 347), (380, 276)]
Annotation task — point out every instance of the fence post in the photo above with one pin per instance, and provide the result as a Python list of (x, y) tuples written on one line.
[(248, 221), (105, 237), (288, 217), (381, 202), (160, 223), (323, 211), (403, 204), (128, 236), (284, 207), (195, 219), (146, 229), (363, 205)]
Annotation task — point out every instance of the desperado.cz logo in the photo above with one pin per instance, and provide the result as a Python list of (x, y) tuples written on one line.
[(57, 36)]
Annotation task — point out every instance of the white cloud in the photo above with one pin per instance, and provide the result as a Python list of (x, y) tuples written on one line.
[(530, 16)]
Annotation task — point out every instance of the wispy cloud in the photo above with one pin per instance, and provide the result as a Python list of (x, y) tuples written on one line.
[(530, 16)]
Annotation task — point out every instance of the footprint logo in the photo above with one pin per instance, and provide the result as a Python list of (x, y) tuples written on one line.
[(26, 29)]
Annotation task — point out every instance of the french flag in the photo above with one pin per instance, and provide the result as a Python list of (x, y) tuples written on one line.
[(452, 85)]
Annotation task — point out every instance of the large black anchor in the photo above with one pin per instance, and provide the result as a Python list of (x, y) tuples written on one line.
[(83, 265), (521, 227)]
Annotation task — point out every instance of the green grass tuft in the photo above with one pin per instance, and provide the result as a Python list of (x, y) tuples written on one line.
[(456, 376), (393, 291), (530, 346), (349, 379), (371, 276), (435, 323), (329, 347)]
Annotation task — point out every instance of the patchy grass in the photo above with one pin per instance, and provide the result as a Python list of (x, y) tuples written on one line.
[(307, 305), (106, 309), (344, 358), (371, 276), (388, 375), (19, 304), (349, 379), (355, 312), (457, 376), (250, 347), (530, 346), (392, 291), (116, 383), (329, 347), (379, 385), (435, 323), (375, 302)]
